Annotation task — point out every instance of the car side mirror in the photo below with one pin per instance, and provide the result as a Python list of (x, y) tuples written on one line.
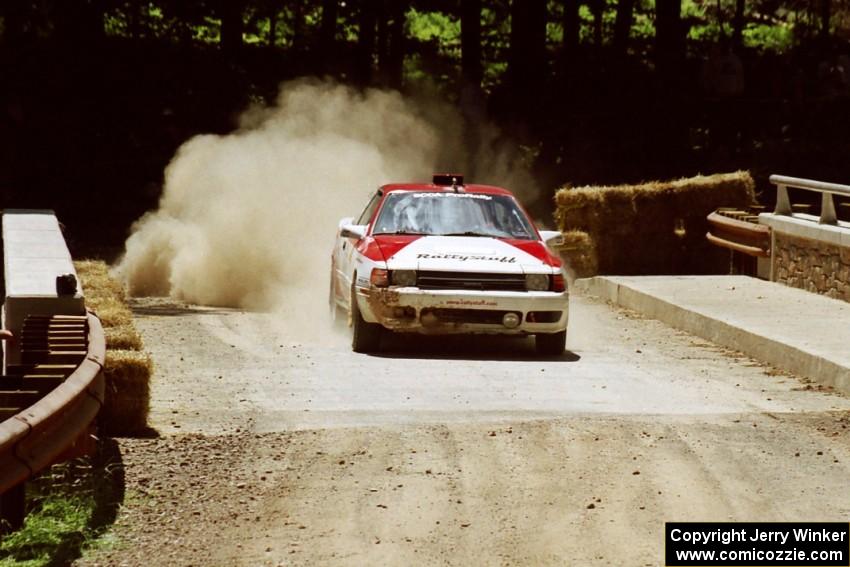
[(552, 237), (355, 231)]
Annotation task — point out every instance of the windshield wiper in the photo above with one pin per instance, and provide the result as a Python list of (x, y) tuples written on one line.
[(471, 233), (403, 232)]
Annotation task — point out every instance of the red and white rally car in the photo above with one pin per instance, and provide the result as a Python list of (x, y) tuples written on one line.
[(444, 258)]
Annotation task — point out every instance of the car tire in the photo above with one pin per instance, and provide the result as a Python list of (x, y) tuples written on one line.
[(551, 344), (366, 337)]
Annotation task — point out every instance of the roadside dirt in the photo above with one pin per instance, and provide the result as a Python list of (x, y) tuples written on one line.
[(276, 451)]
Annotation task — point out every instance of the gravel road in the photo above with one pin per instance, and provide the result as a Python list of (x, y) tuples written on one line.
[(276, 449)]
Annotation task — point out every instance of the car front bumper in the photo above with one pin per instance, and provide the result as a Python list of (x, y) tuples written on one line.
[(409, 309)]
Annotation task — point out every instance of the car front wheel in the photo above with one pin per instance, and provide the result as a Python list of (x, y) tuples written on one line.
[(366, 337), (551, 344)]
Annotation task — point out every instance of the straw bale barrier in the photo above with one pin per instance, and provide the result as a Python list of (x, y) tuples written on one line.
[(579, 253), (97, 282), (652, 228), (123, 337), (127, 398), (127, 369)]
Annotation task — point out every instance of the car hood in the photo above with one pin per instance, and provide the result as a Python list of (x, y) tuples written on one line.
[(465, 254)]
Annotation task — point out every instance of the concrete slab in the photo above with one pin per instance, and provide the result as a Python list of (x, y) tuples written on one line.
[(795, 330), (35, 253)]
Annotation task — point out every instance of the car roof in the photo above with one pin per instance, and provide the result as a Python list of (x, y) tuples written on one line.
[(470, 188)]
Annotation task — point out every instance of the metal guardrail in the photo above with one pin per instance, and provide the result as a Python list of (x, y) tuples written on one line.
[(739, 235), (43, 433), (827, 190)]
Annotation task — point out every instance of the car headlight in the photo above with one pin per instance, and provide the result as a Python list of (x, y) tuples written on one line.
[(404, 278), (536, 282)]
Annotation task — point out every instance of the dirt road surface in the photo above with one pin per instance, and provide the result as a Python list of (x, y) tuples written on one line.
[(274, 449)]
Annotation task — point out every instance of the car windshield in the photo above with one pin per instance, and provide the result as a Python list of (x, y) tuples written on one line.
[(453, 214)]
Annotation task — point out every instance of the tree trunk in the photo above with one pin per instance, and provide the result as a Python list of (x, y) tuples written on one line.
[(383, 37), (394, 71), (825, 17), (527, 65), (366, 40), (327, 34), (623, 25), (470, 41), (571, 26), (135, 20), (738, 25), (231, 26), (272, 26), (668, 29), (297, 24), (14, 21), (569, 48), (79, 22), (598, 9)]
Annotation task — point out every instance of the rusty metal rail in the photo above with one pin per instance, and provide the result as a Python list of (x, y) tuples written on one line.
[(57, 424), (737, 233)]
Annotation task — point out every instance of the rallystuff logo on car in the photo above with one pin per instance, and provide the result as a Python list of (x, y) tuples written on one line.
[(462, 253), (446, 258)]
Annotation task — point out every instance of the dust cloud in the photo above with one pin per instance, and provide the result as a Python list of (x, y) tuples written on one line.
[(248, 219)]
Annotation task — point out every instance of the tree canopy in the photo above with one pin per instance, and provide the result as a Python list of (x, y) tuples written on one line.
[(594, 90)]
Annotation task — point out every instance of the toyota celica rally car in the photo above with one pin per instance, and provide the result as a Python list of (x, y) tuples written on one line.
[(444, 258)]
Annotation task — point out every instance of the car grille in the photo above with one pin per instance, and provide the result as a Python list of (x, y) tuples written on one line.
[(477, 316), (470, 280)]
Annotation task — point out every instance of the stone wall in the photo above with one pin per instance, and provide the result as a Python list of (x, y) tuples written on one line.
[(812, 264)]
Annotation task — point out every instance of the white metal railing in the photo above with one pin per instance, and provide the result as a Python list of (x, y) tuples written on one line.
[(827, 190)]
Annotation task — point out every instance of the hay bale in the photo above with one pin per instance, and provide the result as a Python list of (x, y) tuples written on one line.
[(104, 294), (127, 370), (111, 311), (579, 254), (123, 337), (96, 280), (657, 227), (127, 400)]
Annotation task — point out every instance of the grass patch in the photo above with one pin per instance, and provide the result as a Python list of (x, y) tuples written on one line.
[(69, 507)]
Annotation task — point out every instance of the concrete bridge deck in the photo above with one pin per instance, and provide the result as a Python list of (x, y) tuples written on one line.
[(792, 329)]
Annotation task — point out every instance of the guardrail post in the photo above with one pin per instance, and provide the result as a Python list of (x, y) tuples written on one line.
[(827, 209), (783, 203), (12, 506)]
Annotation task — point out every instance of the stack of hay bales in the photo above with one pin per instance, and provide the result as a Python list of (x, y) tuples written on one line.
[(579, 253), (128, 368), (653, 228)]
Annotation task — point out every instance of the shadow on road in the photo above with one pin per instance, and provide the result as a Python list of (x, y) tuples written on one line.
[(465, 347), (164, 307)]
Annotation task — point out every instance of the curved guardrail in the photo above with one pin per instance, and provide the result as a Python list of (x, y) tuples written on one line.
[(739, 235), (40, 435)]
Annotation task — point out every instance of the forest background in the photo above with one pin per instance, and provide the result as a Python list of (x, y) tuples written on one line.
[(97, 95)]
